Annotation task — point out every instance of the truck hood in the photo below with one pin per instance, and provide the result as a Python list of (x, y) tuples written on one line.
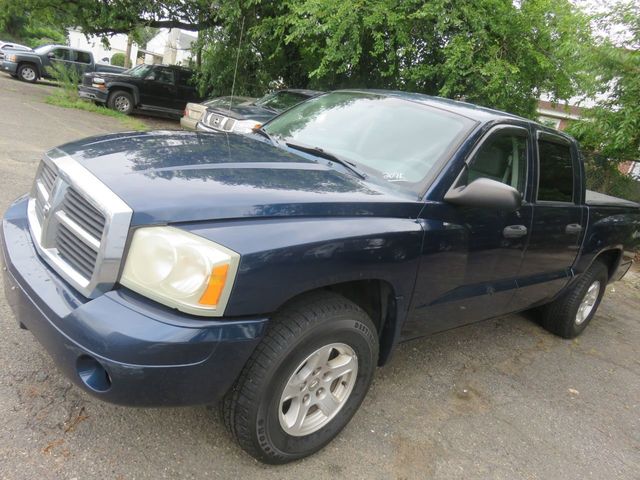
[(245, 112), (107, 76), (171, 176)]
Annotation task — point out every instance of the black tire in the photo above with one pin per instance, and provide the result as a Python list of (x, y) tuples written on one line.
[(560, 316), (251, 410), (121, 101), (28, 72)]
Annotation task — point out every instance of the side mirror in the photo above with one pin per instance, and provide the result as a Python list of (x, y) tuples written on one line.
[(151, 77), (485, 193), (51, 55)]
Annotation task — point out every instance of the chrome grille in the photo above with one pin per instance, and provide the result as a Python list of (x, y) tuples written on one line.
[(83, 213), (75, 252), (43, 186), (78, 225), (48, 176), (219, 122)]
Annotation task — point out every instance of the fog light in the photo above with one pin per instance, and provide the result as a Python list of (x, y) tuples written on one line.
[(93, 374)]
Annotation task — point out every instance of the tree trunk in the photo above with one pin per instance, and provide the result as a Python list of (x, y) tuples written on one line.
[(127, 55)]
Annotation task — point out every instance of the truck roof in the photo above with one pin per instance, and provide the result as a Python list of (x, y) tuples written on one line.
[(469, 110)]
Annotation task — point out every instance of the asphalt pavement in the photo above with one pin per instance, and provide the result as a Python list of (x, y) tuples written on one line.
[(501, 399)]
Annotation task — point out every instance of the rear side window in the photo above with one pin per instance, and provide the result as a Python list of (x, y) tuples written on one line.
[(185, 78), (555, 183), (83, 57)]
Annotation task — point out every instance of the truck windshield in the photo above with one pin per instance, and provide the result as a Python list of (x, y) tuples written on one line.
[(398, 140), (42, 49), (139, 71), (279, 101)]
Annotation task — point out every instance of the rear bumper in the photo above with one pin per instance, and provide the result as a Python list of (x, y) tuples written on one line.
[(92, 93), (120, 347), (9, 67), (188, 123)]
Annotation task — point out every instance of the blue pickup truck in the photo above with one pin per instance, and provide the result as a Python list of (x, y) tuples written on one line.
[(274, 271)]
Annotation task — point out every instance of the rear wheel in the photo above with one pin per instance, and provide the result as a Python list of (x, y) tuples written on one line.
[(121, 101), (27, 73), (305, 380), (570, 314)]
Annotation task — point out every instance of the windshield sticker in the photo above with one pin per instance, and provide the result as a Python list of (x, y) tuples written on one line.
[(394, 177)]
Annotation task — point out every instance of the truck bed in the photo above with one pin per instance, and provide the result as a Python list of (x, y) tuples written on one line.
[(595, 198)]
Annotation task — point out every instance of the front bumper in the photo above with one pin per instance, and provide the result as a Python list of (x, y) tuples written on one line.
[(9, 67), (93, 93), (149, 355)]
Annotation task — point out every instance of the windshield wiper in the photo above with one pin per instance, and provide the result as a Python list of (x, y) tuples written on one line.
[(329, 156), (266, 135)]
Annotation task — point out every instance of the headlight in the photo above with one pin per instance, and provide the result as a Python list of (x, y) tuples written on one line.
[(11, 58), (180, 270), (245, 126)]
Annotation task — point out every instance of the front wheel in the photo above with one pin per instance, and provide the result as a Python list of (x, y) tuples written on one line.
[(27, 73), (121, 101), (305, 380)]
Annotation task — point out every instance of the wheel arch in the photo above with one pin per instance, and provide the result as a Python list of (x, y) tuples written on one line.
[(117, 86), (611, 257), (377, 298), (33, 64)]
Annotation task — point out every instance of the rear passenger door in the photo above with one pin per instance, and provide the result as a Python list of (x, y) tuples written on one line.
[(82, 61), (186, 90), (559, 218)]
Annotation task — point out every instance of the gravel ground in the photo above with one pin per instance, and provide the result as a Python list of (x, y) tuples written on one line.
[(500, 399)]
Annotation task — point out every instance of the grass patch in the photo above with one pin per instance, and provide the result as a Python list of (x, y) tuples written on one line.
[(67, 97), (62, 99)]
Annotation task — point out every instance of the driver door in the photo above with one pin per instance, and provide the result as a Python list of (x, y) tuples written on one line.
[(59, 58), (470, 263), (159, 89)]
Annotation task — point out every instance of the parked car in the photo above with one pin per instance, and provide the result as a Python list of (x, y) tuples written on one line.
[(193, 111), (6, 46), (156, 88), (276, 270), (243, 118), (36, 64)]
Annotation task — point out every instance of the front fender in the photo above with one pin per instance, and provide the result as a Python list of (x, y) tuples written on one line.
[(282, 258), (33, 59), (127, 86)]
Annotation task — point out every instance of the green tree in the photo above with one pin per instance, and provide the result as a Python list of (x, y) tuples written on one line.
[(117, 59), (611, 129), (498, 53), (17, 24)]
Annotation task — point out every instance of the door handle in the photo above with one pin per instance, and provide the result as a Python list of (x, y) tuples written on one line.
[(573, 228), (514, 231)]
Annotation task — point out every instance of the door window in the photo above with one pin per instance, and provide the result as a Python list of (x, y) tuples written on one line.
[(83, 57), (162, 75), (503, 158), (185, 78), (60, 54), (555, 182)]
